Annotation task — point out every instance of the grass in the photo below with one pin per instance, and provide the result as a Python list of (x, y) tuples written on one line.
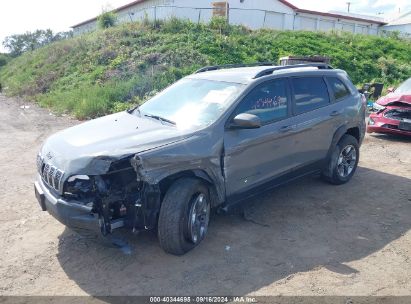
[(108, 70)]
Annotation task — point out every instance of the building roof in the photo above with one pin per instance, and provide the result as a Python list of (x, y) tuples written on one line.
[(118, 9), (342, 16), (334, 14), (290, 5), (403, 19)]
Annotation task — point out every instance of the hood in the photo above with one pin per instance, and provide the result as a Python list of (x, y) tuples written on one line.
[(91, 147), (394, 97)]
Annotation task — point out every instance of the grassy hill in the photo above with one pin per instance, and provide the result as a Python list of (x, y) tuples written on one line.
[(105, 71)]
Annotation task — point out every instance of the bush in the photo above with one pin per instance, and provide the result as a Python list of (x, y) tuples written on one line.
[(106, 19), (4, 58)]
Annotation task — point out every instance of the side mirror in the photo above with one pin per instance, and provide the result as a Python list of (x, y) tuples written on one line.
[(391, 90), (246, 121)]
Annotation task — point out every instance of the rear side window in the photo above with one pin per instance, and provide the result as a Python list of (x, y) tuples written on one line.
[(268, 101), (310, 93), (338, 88)]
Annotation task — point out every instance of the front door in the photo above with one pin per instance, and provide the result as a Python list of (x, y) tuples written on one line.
[(255, 156)]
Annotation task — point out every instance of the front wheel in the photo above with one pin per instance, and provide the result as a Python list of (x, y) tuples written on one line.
[(343, 161), (184, 216)]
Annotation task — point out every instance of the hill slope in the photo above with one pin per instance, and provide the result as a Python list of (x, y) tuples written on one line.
[(106, 70)]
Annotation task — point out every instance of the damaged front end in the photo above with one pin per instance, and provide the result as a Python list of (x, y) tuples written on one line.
[(393, 118), (118, 198), (398, 113)]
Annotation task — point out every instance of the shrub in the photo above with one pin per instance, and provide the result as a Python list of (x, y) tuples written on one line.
[(4, 58), (106, 19)]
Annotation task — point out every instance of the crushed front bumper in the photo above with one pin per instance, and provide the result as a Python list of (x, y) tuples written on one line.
[(72, 214), (377, 123)]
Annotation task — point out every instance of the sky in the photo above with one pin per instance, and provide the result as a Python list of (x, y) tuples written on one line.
[(19, 16)]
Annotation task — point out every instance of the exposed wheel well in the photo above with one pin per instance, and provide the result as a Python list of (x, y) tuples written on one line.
[(169, 180), (355, 132)]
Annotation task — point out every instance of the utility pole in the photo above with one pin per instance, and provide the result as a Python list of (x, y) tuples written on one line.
[(227, 11), (349, 5)]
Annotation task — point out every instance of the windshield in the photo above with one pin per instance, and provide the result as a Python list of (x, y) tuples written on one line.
[(192, 103), (405, 87)]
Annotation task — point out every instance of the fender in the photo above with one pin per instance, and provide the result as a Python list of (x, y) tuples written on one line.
[(336, 138), (329, 165)]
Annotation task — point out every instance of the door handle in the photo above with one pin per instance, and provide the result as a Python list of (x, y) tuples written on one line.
[(335, 113), (286, 129)]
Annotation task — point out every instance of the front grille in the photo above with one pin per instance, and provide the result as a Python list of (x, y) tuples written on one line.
[(389, 126), (50, 174)]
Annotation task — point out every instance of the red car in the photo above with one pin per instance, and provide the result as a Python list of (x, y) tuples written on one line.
[(392, 112)]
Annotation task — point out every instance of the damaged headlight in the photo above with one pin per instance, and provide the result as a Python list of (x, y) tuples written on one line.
[(377, 107), (80, 177), (79, 187)]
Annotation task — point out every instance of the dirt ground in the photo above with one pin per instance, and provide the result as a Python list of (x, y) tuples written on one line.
[(306, 238)]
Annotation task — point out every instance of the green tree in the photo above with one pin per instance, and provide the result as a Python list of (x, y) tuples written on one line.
[(29, 41)]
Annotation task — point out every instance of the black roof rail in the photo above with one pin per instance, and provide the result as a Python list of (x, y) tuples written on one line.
[(269, 71), (232, 66)]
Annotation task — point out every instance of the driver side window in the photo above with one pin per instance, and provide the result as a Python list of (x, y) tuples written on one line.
[(268, 101)]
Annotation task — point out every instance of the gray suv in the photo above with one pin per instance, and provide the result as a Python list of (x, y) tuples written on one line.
[(210, 140)]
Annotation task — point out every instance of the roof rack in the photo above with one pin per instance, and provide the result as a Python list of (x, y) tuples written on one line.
[(269, 71), (232, 66)]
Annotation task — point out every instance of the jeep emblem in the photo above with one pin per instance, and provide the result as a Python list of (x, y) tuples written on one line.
[(49, 155)]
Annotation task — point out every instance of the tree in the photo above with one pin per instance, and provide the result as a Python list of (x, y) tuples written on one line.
[(29, 41), (107, 19)]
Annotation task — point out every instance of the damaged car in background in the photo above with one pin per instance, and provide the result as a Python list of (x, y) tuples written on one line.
[(392, 113), (212, 139)]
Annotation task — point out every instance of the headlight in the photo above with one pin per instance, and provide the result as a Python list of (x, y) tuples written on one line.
[(79, 187), (378, 107), (81, 177)]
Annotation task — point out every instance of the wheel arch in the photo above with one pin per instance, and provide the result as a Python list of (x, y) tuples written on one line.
[(341, 131), (336, 138), (354, 132), (202, 175)]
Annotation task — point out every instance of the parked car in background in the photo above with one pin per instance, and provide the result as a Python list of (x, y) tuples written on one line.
[(392, 113), (214, 138)]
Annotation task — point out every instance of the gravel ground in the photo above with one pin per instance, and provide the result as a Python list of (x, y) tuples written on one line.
[(305, 238)]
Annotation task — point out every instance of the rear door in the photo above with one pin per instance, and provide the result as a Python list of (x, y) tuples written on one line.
[(254, 156), (314, 119)]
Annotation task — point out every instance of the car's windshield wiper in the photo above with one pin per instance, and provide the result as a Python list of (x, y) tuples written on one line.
[(162, 119)]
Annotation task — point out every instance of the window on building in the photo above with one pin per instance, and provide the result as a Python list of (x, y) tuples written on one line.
[(310, 93)]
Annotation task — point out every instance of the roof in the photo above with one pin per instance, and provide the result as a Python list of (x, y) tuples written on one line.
[(246, 75), (403, 19), (341, 16), (118, 9), (334, 15), (286, 3)]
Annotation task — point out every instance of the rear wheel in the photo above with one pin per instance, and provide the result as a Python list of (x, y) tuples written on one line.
[(343, 161), (184, 216)]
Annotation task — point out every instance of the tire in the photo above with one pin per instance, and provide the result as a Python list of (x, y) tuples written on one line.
[(186, 199), (339, 170)]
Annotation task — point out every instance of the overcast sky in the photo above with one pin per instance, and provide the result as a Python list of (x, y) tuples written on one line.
[(19, 16)]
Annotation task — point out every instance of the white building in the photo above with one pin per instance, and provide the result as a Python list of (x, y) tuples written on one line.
[(401, 24), (273, 14)]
